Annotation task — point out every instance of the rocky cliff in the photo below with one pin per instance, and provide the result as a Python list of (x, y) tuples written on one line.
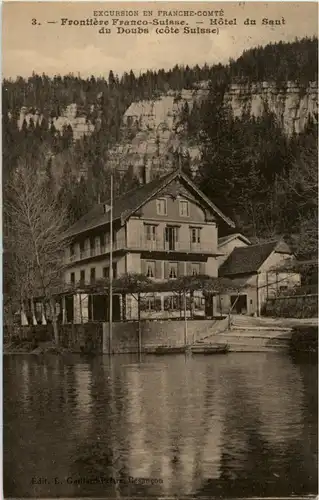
[(80, 124), (291, 104), (154, 133), (154, 136)]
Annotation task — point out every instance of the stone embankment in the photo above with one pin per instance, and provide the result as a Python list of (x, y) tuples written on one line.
[(245, 334), (265, 335)]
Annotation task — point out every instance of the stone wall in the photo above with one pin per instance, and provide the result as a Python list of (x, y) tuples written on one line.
[(39, 333), (90, 337), (161, 333), (86, 337)]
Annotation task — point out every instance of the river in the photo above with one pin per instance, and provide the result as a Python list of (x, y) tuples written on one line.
[(226, 425)]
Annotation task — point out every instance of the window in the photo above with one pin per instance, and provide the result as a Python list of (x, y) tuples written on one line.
[(82, 276), (151, 303), (161, 206), (195, 235), (92, 274), (150, 269), (171, 303), (172, 270), (92, 247), (106, 271), (195, 268), (72, 278), (171, 237), (150, 232), (102, 242), (199, 303), (183, 208), (82, 248), (72, 250), (114, 269)]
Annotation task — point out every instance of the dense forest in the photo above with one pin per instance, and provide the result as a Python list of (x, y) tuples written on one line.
[(266, 181)]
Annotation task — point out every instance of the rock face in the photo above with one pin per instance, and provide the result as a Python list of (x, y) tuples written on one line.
[(79, 123), (154, 132), (155, 139), (27, 116), (292, 104)]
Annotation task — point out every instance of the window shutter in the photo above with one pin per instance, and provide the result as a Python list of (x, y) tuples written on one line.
[(166, 270), (143, 266), (189, 269), (202, 268), (158, 269), (180, 269)]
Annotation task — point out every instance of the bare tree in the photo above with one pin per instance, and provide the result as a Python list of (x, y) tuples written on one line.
[(35, 237)]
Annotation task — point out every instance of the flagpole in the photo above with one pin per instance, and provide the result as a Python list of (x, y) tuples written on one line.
[(111, 269)]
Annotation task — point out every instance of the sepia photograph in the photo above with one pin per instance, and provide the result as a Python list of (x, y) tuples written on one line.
[(160, 250)]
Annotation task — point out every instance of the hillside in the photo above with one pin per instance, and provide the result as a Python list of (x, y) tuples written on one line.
[(238, 129), (154, 130)]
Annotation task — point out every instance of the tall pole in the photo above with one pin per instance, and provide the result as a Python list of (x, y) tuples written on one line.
[(111, 270), (185, 319)]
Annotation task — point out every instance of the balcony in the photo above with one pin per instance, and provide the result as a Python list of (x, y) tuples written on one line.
[(141, 244), (159, 245), (95, 252)]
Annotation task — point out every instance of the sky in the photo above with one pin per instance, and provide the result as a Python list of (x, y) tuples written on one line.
[(55, 49)]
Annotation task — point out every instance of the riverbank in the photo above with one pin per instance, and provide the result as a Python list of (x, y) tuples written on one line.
[(245, 335), (26, 347)]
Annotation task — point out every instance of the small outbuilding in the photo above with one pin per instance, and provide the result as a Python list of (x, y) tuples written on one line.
[(258, 268)]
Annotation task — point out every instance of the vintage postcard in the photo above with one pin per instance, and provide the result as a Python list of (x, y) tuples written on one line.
[(160, 249)]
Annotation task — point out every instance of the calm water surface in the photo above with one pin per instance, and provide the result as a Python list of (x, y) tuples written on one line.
[(240, 424)]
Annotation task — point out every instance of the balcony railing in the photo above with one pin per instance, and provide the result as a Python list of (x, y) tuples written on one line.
[(96, 251), (169, 246), (142, 244)]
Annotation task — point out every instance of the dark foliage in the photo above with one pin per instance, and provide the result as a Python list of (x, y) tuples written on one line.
[(249, 167)]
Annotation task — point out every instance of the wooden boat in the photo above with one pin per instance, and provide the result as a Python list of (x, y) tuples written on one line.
[(170, 350), (210, 349), (193, 349)]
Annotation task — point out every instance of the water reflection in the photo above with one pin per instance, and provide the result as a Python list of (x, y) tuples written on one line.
[(223, 425)]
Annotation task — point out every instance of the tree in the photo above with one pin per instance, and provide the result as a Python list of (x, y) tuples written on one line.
[(301, 188), (111, 79), (35, 238)]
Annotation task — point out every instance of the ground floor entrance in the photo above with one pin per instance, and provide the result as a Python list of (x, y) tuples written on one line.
[(239, 304)]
